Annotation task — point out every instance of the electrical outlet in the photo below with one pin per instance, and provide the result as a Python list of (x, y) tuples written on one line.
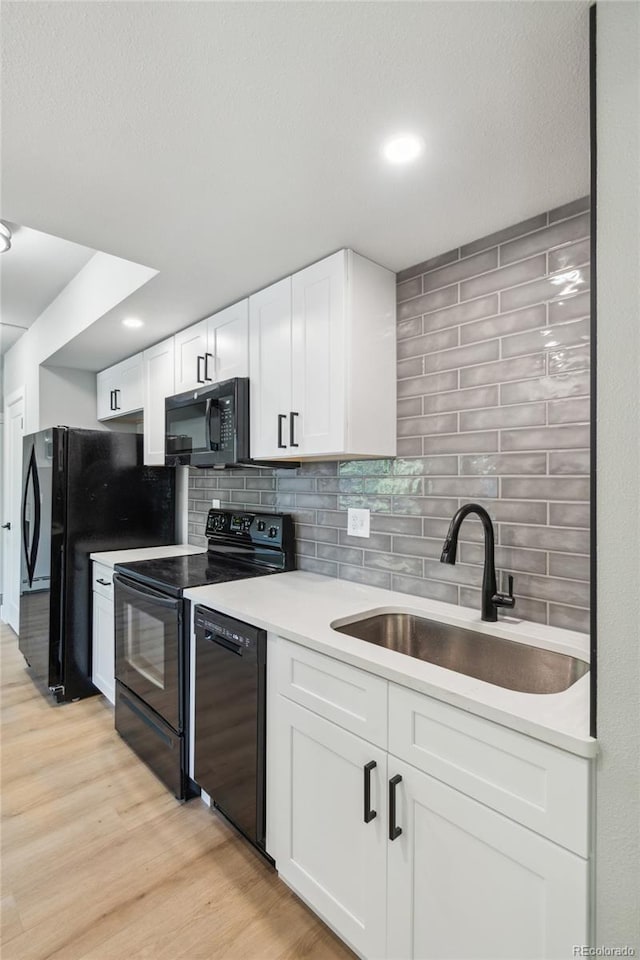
[(358, 522), (215, 504)]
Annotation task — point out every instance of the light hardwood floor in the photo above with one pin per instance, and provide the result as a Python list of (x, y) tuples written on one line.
[(100, 862)]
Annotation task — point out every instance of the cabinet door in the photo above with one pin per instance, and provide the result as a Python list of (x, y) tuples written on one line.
[(158, 384), (229, 342), (270, 370), (319, 356), (466, 882), (119, 389), (190, 348), (323, 848), (103, 646)]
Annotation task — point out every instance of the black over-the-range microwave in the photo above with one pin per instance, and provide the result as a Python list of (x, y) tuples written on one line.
[(209, 426)]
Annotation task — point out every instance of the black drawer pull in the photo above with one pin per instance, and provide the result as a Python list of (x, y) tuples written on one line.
[(369, 814), (394, 831), (281, 418), (105, 583), (292, 425)]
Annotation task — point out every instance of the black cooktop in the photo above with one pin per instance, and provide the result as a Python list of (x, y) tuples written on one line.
[(173, 575)]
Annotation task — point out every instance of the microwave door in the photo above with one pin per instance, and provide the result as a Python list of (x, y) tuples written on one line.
[(213, 424)]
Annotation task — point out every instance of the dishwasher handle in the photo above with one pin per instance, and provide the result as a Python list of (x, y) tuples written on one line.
[(223, 642)]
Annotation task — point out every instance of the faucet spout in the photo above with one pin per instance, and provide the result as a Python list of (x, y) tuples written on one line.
[(491, 599)]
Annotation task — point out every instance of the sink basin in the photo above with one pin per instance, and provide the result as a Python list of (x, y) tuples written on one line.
[(515, 666)]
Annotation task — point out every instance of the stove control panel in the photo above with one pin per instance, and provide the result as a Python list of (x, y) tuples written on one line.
[(254, 533)]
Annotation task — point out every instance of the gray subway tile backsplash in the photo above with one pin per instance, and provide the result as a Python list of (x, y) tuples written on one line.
[(493, 407)]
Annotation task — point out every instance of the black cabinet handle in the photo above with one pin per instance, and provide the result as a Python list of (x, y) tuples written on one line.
[(292, 442), (111, 401), (115, 399), (199, 376), (105, 583), (369, 814), (6, 526), (206, 366), (281, 418), (394, 831)]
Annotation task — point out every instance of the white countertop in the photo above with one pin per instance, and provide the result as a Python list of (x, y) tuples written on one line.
[(111, 557), (301, 606)]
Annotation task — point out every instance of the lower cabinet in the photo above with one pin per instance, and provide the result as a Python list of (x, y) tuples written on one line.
[(400, 863), (332, 846), (466, 882), (103, 646)]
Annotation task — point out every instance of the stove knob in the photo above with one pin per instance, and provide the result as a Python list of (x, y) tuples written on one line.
[(261, 525), (273, 531)]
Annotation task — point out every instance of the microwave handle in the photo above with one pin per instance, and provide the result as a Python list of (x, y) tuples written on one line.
[(213, 423)]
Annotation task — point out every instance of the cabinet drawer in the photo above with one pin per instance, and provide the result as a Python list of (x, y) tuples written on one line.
[(534, 783), (103, 580), (352, 698)]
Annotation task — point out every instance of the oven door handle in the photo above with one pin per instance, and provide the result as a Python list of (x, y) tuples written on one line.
[(138, 590)]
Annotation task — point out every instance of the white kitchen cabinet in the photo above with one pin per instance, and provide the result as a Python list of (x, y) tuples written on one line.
[(326, 851), (213, 350), (158, 384), (120, 389), (190, 356), (270, 369), (472, 843), (466, 882), (323, 362), (102, 636)]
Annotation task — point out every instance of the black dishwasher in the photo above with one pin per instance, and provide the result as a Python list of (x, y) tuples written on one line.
[(230, 719)]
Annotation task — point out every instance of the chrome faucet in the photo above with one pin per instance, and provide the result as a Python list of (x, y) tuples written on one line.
[(491, 599)]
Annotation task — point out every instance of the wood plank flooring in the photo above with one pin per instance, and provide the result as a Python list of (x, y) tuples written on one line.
[(100, 862)]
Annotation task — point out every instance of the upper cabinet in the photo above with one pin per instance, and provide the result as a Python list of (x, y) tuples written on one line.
[(319, 349), (214, 349), (158, 384), (120, 389), (323, 362)]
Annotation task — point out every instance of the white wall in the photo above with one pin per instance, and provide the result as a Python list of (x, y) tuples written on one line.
[(101, 284), (618, 472), (68, 398)]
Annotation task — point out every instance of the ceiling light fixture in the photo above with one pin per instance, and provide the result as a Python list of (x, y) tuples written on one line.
[(5, 237), (132, 322), (402, 149)]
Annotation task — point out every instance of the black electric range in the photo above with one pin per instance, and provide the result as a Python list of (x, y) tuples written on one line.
[(152, 624)]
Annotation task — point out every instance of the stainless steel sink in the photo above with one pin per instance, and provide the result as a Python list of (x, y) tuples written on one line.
[(515, 666)]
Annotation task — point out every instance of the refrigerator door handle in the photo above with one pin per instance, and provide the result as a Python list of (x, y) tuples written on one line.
[(31, 555)]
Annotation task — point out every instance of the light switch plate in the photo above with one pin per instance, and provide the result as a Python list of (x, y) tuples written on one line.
[(358, 522), (215, 503)]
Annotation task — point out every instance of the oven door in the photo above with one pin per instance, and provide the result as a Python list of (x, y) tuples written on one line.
[(148, 632)]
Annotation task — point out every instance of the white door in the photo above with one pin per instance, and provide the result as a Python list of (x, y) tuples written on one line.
[(12, 500), (103, 647), (465, 882), (229, 342), (318, 337), (190, 347), (158, 384), (270, 370), (323, 848)]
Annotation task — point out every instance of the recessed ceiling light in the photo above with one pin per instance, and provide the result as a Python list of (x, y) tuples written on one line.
[(132, 322), (402, 149)]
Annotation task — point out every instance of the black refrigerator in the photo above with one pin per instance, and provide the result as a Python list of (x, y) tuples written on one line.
[(82, 491)]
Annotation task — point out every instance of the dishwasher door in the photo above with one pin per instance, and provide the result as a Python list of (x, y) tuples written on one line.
[(230, 719)]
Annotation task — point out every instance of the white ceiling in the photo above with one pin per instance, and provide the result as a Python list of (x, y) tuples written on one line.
[(228, 144), (32, 274)]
